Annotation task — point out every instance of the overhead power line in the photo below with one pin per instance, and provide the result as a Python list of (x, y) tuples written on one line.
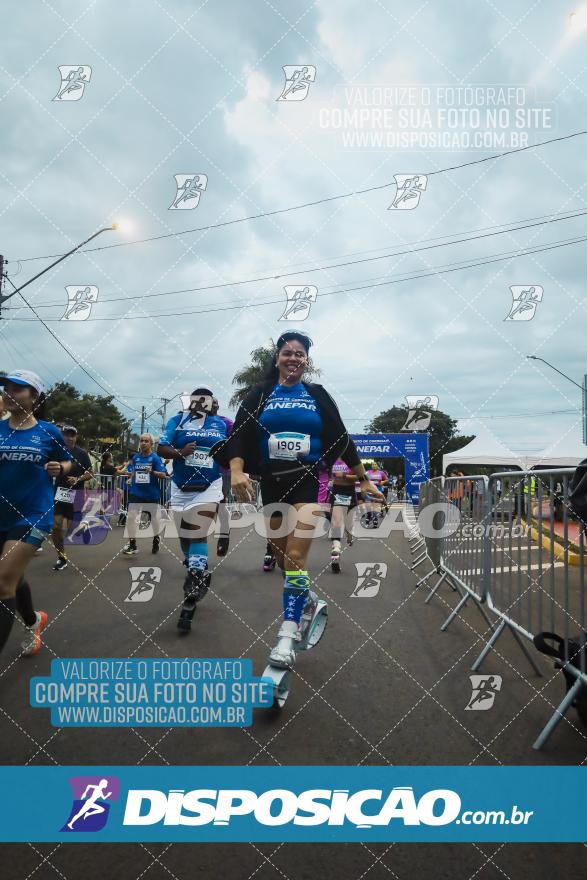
[(314, 203), (72, 356), (528, 223), (439, 270)]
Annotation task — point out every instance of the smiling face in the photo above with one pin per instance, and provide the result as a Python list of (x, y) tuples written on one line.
[(19, 398), (291, 361)]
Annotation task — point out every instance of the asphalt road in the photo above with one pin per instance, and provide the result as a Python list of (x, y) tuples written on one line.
[(384, 686)]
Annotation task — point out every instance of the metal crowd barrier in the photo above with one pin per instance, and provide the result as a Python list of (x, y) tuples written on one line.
[(236, 508), (113, 491), (455, 544), (511, 543)]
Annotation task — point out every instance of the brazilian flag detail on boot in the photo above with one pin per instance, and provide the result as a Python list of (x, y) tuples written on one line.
[(296, 587)]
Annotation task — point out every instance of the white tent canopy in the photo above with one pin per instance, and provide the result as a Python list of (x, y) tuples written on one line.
[(567, 451), (485, 450)]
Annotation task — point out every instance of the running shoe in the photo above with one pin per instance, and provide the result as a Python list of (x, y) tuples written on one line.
[(60, 564), (269, 562), (156, 544), (196, 583), (130, 549), (32, 640), (222, 545), (335, 562)]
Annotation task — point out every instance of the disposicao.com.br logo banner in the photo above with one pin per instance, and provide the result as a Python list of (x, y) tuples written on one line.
[(311, 804)]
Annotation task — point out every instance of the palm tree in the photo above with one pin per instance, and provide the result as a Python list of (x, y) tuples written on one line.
[(261, 359)]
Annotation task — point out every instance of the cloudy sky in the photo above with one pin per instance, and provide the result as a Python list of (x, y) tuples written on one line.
[(191, 88)]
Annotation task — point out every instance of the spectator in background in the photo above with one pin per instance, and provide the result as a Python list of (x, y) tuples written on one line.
[(107, 466)]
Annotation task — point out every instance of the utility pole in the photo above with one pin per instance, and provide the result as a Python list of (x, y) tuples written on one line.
[(1, 282), (142, 419), (165, 400), (583, 388)]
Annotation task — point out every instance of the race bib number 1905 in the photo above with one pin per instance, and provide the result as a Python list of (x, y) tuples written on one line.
[(289, 445)]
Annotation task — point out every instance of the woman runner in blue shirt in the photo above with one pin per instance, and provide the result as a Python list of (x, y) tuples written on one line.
[(32, 452), (283, 430)]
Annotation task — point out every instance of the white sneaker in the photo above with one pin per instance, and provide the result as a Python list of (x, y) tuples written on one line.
[(129, 549), (283, 655)]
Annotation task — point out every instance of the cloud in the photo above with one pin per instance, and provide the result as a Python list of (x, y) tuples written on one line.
[(177, 93)]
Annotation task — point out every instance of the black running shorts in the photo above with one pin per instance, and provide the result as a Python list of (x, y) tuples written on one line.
[(298, 487)]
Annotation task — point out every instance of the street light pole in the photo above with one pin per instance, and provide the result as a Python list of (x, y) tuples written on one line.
[(4, 299), (583, 388)]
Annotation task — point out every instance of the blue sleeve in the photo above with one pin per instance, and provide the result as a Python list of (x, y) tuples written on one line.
[(159, 466), (166, 438)]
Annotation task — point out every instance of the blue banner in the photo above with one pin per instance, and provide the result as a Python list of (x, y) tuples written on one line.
[(309, 803), (413, 448)]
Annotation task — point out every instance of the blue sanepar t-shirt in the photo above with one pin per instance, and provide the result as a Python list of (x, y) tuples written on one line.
[(144, 485), (26, 489), (199, 469), (290, 427)]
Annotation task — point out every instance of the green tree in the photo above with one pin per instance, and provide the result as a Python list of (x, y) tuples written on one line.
[(442, 433), (94, 416), (249, 376)]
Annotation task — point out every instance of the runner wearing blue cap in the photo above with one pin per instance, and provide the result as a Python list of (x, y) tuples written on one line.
[(32, 453)]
